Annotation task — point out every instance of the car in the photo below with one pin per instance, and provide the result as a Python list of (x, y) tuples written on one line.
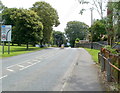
[(62, 46)]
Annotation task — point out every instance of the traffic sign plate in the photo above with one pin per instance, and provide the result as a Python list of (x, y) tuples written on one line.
[(6, 32)]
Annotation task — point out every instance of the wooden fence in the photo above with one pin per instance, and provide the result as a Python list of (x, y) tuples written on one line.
[(110, 64)]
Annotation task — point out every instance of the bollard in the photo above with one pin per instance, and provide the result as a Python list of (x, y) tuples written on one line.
[(108, 70)]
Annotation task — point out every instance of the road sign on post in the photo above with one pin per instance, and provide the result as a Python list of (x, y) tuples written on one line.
[(6, 32), (6, 36)]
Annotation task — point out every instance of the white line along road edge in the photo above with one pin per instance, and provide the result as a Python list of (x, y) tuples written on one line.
[(3, 76)]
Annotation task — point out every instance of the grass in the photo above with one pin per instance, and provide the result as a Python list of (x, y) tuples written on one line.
[(93, 53), (17, 50)]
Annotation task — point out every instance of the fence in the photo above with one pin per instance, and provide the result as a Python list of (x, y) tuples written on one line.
[(110, 64), (93, 45)]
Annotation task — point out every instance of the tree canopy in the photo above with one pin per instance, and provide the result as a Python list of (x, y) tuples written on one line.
[(58, 38), (75, 29), (98, 30), (49, 18), (2, 6), (27, 27)]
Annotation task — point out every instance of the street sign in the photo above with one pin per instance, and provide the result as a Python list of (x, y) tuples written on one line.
[(6, 32)]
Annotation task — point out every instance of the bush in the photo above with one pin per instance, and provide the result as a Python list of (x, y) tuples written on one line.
[(54, 46), (110, 49)]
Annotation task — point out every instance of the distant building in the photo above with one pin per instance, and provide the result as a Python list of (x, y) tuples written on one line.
[(83, 41)]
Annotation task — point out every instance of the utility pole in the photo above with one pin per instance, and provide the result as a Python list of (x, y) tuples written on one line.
[(101, 10), (91, 9)]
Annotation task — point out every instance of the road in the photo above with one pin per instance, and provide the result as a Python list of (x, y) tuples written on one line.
[(38, 71), (45, 70)]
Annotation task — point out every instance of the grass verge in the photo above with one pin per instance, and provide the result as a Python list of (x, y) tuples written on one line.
[(17, 50), (93, 53)]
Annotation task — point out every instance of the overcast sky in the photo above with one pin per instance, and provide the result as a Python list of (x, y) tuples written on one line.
[(68, 10)]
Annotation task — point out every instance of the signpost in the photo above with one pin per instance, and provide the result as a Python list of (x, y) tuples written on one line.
[(6, 36)]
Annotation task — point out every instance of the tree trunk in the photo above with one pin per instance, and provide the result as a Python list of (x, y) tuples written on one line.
[(12, 43), (5, 43), (41, 41), (19, 44), (27, 46), (110, 23)]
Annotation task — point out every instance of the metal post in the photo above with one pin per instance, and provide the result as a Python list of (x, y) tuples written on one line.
[(102, 63), (8, 47), (3, 48), (108, 70)]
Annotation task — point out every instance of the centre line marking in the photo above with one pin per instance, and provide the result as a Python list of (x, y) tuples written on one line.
[(3, 77)]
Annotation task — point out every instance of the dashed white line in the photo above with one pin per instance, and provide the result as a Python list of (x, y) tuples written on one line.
[(29, 66), (38, 58), (3, 76), (10, 70), (20, 65), (35, 60), (17, 64), (29, 62)]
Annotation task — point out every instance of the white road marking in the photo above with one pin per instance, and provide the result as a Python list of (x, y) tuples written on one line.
[(17, 64), (20, 65), (29, 66), (3, 76), (29, 62), (38, 58), (63, 86), (10, 70), (35, 61)]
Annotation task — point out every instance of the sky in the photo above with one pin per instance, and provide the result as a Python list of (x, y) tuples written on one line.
[(68, 10)]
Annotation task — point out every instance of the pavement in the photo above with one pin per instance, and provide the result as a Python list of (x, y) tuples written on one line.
[(84, 76), (52, 69)]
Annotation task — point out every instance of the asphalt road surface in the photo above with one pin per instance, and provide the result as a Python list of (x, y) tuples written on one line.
[(45, 70)]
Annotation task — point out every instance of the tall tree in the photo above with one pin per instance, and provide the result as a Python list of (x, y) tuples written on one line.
[(6, 16), (58, 38), (49, 18), (113, 23), (7, 20), (75, 29), (2, 7), (98, 30), (27, 27)]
